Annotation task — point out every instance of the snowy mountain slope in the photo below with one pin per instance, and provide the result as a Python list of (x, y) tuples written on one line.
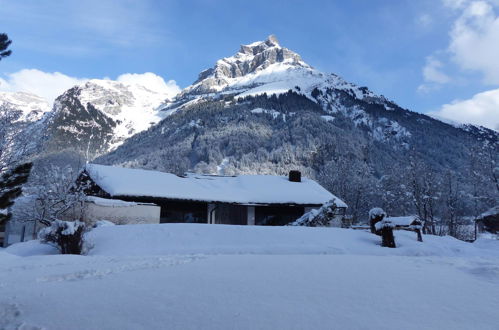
[(265, 67), (132, 107), (99, 115), (30, 107)]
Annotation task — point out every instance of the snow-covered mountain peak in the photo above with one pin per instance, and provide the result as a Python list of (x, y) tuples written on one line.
[(251, 59), (265, 67), (258, 56), (30, 107)]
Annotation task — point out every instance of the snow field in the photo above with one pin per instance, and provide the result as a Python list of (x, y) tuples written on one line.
[(192, 276)]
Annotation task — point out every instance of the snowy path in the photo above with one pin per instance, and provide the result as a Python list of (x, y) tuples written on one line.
[(248, 291)]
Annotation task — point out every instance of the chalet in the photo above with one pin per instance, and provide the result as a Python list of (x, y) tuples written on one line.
[(195, 198)]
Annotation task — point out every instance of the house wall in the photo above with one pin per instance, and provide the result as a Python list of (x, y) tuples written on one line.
[(130, 214)]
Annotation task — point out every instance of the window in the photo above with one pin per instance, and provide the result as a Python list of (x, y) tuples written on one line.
[(277, 215), (183, 212)]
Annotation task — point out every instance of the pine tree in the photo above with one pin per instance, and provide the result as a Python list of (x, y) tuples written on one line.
[(4, 44), (11, 187)]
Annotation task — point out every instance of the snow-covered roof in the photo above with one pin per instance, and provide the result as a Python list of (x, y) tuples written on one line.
[(112, 202), (403, 221), (489, 213), (242, 189)]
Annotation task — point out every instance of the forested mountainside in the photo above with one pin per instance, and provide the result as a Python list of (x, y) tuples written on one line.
[(264, 110)]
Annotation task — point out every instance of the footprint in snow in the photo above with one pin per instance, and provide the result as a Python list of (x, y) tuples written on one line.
[(127, 266), (10, 318)]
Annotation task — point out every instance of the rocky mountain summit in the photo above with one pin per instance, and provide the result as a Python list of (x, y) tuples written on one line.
[(251, 59), (265, 67)]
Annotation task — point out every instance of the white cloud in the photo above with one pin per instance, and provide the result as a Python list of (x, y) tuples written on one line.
[(48, 85), (152, 82), (473, 48), (433, 75), (474, 43), (482, 109), (432, 71)]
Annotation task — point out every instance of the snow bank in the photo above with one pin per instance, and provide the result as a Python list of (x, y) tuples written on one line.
[(31, 248), (170, 239), (175, 239), (195, 276)]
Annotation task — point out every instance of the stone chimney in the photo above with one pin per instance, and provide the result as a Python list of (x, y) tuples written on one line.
[(295, 176)]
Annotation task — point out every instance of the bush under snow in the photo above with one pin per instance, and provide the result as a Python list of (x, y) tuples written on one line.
[(325, 216), (67, 236)]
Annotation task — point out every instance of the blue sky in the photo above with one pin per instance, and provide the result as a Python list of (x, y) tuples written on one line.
[(422, 54)]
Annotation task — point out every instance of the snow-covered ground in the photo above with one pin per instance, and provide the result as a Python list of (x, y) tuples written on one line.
[(194, 276)]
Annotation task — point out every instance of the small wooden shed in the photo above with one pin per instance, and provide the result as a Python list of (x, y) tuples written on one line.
[(488, 222)]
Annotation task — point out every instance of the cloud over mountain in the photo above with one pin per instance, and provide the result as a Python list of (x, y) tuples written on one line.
[(50, 85), (482, 109)]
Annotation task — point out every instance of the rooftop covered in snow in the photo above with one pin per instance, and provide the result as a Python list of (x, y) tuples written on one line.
[(242, 189)]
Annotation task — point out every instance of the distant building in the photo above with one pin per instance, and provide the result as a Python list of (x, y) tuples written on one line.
[(158, 197), (488, 222)]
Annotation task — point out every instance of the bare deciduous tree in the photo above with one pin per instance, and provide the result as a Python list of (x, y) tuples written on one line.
[(57, 195)]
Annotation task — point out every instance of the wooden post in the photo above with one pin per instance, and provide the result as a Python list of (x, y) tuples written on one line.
[(373, 221), (387, 238), (420, 237), (22, 233), (376, 215), (251, 215)]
